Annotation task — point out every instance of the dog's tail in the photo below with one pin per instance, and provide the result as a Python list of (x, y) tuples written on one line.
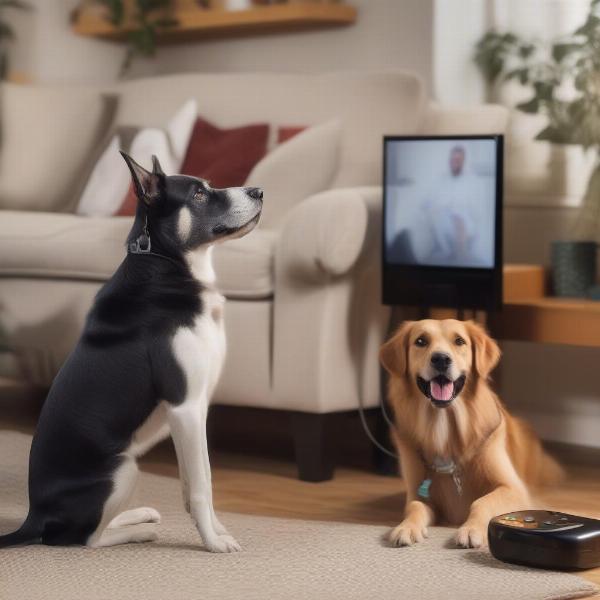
[(29, 533), (551, 472)]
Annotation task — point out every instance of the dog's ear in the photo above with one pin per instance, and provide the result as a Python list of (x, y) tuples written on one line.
[(486, 352), (146, 184), (393, 355), (156, 168)]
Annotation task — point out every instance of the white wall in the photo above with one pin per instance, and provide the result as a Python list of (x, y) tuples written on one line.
[(46, 49), (456, 29), (389, 34)]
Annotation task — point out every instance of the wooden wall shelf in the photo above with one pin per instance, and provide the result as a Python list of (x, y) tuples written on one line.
[(198, 23), (529, 315)]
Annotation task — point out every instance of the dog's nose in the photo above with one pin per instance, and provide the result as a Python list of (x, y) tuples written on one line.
[(255, 193), (441, 361)]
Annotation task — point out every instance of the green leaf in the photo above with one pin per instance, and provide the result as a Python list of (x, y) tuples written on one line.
[(6, 31), (509, 38), (522, 74), (17, 4), (116, 10), (147, 6), (551, 134), (531, 106), (165, 22), (561, 51), (544, 90), (587, 29), (526, 50), (3, 64), (143, 41)]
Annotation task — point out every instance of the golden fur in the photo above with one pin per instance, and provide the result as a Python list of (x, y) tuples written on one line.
[(499, 456)]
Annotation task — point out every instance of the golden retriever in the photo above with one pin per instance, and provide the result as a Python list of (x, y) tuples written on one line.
[(464, 458)]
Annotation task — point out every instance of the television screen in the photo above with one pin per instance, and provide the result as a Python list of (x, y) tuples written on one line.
[(442, 217)]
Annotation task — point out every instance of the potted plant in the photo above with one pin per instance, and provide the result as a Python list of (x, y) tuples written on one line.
[(564, 80), (148, 19)]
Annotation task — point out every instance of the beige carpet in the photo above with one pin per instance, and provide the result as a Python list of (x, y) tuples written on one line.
[(282, 559)]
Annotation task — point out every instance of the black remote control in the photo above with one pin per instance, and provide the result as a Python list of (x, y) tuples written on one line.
[(545, 539)]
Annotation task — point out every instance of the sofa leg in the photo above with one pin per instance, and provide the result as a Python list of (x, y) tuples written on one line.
[(314, 445)]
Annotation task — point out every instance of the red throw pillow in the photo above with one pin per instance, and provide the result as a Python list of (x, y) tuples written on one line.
[(286, 132), (224, 157), (129, 204)]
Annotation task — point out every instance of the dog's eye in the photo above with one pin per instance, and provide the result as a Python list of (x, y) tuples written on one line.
[(459, 341), (421, 342)]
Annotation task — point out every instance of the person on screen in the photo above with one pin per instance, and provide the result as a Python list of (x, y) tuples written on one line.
[(450, 208)]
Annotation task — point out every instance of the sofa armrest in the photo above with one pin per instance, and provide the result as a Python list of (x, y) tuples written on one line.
[(328, 320), (323, 235), (483, 118)]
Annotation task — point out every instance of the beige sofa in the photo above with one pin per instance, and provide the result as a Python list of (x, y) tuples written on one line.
[(303, 318)]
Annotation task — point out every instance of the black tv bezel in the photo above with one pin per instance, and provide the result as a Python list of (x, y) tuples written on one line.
[(445, 287)]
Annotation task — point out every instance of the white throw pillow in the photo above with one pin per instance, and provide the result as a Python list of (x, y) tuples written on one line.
[(109, 181), (107, 184), (48, 136), (297, 169), (169, 144)]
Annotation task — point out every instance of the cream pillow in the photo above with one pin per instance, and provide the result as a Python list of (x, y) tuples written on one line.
[(299, 168), (48, 134), (168, 144), (107, 186)]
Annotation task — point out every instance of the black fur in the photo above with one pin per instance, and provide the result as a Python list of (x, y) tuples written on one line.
[(122, 365)]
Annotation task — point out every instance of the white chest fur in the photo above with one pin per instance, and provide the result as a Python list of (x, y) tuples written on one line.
[(200, 350)]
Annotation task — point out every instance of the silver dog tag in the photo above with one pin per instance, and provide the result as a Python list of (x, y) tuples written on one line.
[(457, 481)]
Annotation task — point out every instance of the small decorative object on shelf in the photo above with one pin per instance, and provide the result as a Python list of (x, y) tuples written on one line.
[(573, 268), (231, 4)]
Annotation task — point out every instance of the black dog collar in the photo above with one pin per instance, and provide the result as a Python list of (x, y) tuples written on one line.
[(143, 245)]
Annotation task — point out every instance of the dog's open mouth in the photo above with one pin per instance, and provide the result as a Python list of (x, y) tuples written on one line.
[(441, 390)]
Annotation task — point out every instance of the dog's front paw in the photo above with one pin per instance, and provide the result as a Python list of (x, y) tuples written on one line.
[(220, 528), (471, 535), (407, 533), (223, 543)]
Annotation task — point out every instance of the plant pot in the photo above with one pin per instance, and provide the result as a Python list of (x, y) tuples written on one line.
[(573, 268)]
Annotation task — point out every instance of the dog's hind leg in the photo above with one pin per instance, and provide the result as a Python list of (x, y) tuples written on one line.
[(135, 516), (125, 535), (124, 479)]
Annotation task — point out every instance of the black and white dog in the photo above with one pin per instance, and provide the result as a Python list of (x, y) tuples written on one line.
[(147, 362)]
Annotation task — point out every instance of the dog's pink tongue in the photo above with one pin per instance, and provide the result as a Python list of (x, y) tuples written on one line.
[(442, 392)]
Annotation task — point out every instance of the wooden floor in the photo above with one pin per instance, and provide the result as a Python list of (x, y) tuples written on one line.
[(262, 486)]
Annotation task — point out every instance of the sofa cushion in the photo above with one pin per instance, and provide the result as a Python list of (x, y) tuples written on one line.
[(64, 246), (48, 138), (61, 245)]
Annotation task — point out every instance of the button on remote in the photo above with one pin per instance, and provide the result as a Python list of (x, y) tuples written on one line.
[(529, 519)]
